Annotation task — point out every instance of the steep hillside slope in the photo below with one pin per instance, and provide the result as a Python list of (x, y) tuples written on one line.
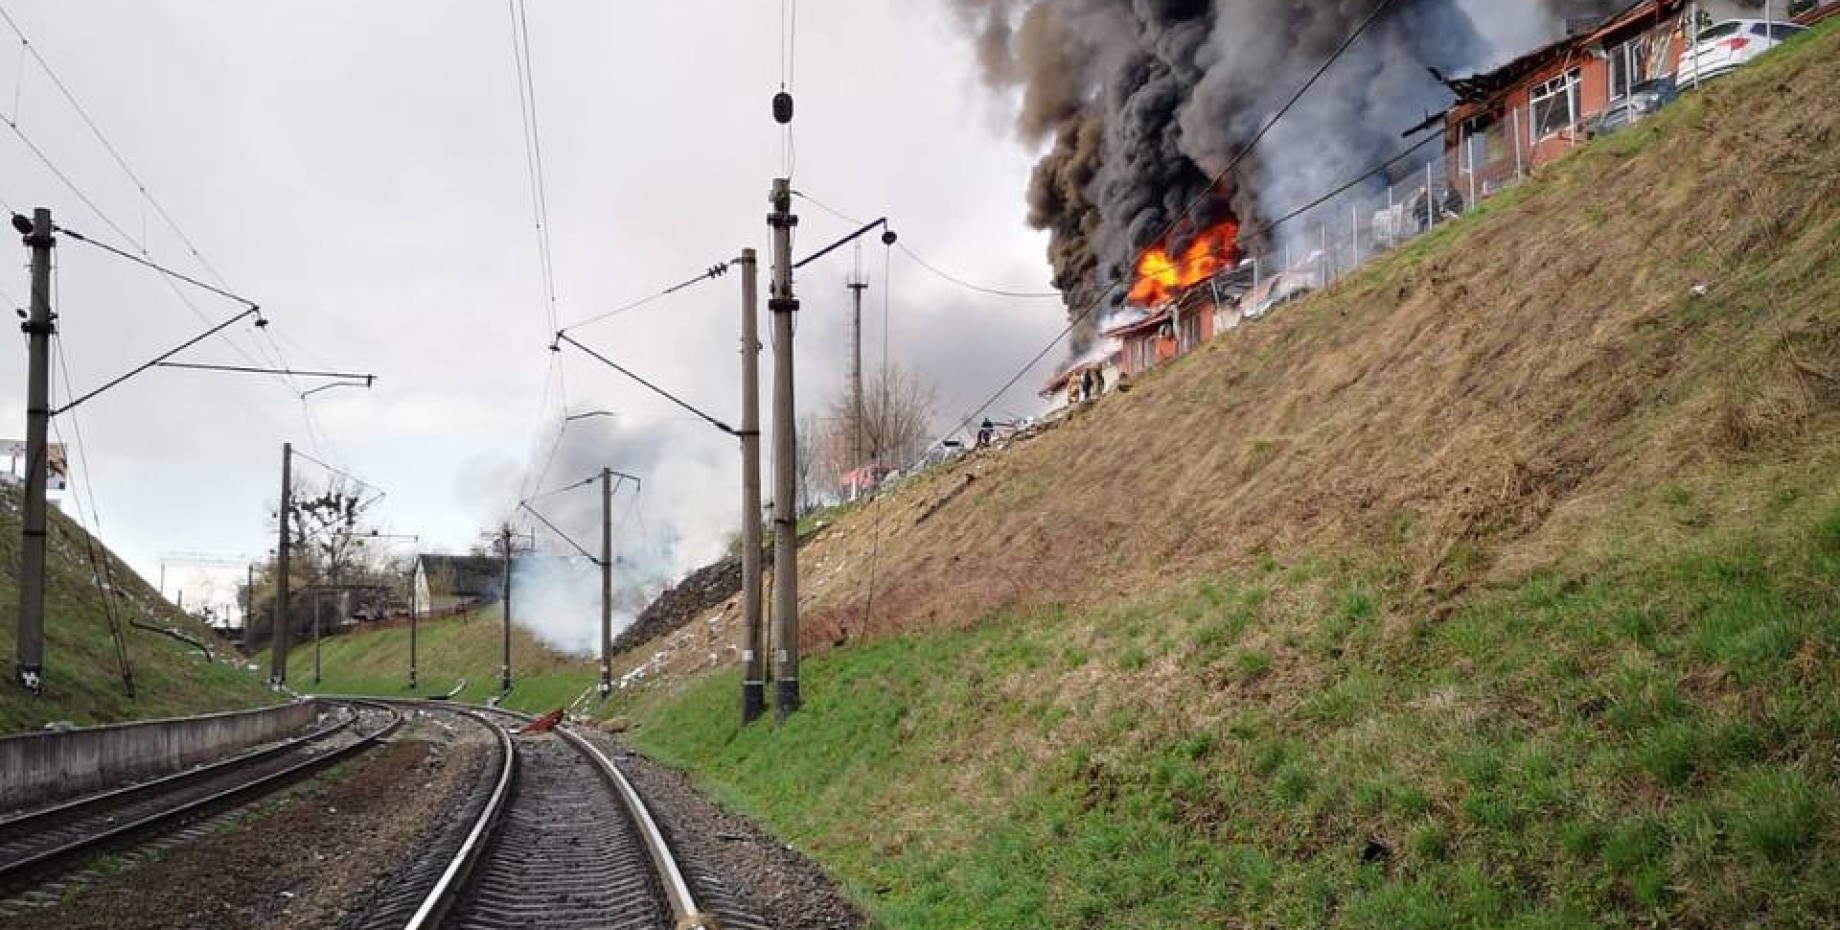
[(1485, 395), (1499, 585), (82, 670), (464, 649)]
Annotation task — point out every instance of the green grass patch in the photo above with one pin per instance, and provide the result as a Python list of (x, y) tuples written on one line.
[(449, 652), (1644, 743)]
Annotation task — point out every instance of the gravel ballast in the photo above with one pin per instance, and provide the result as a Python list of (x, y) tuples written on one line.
[(786, 889)]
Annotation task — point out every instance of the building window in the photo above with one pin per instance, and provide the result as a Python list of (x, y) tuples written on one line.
[(1189, 333), (1554, 105), (1630, 64), (1486, 143)]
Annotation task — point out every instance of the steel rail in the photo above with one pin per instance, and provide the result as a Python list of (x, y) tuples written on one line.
[(683, 903), (15, 872), (687, 914), (446, 889), (27, 821)]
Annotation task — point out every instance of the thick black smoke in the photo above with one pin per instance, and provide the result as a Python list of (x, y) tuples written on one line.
[(1570, 11), (1140, 103)]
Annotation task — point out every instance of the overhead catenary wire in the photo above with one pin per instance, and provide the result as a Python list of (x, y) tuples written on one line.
[(667, 395), (101, 567), (101, 571), (83, 197), (334, 469), (875, 526), (157, 267), (108, 146), (552, 492), (525, 505), (788, 58), (930, 267), (982, 289), (554, 377), (712, 272), (533, 152)]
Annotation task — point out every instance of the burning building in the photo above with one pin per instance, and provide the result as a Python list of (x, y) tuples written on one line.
[(1146, 110)]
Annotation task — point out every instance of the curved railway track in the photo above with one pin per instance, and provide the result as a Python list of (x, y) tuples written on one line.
[(552, 836), (38, 845)]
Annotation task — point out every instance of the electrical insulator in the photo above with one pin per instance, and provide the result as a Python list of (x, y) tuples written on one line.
[(782, 108), (888, 237)]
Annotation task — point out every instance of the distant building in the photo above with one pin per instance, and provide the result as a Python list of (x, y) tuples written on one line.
[(863, 479), (1530, 111), (446, 583)]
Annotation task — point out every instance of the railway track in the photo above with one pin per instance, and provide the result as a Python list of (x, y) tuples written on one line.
[(39, 845), (552, 836)]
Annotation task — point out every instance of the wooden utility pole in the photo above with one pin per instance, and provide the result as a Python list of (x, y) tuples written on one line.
[(29, 667), (504, 665), (606, 684), (278, 639), (753, 652), (783, 305)]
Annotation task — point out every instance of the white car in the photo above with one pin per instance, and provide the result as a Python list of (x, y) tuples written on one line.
[(1729, 44)]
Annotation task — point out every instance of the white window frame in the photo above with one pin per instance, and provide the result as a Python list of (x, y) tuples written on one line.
[(1622, 57), (1566, 84), (1635, 59)]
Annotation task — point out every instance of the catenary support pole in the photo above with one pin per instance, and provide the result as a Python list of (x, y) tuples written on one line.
[(859, 446), (318, 602), (504, 662), (606, 683), (278, 638), (29, 667), (414, 570), (783, 305), (753, 652)]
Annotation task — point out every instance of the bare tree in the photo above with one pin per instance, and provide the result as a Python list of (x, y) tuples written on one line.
[(897, 423), (329, 536), (812, 468)]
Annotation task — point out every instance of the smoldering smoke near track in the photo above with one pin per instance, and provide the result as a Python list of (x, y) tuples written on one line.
[(674, 524), (1139, 104)]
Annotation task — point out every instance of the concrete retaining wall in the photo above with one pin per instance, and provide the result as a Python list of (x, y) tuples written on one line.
[(38, 768)]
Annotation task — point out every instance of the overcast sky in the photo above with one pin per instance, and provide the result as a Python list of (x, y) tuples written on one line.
[(358, 169)]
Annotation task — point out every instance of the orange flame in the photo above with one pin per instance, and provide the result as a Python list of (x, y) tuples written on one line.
[(1161, 276)]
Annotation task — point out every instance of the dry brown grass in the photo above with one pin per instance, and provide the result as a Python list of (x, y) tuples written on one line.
[(1479, 402)]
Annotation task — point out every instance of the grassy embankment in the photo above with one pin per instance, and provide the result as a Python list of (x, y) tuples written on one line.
[(1498, 585), (83, 677), (448, 651)]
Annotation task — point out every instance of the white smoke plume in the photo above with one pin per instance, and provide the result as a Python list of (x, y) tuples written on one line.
[(680, 515)]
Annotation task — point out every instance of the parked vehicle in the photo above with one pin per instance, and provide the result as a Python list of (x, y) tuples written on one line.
[(1729, 44), (1644, 100)]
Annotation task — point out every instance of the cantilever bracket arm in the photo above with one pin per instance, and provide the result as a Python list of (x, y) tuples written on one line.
[(350, 376), (162, 357), (525, 505), (584, 483), (563, 336), (888, 238), (368, 380)]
